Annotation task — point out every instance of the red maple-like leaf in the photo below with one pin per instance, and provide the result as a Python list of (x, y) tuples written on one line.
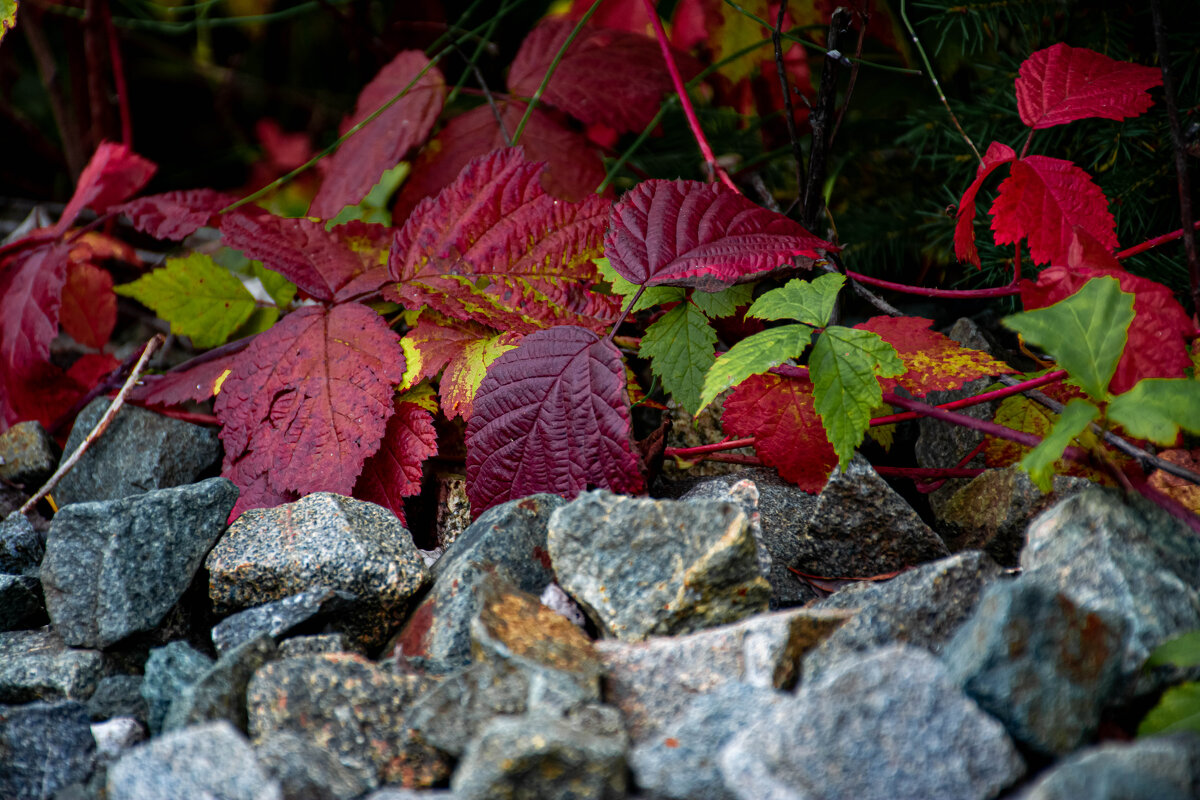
[(687, 233), (89, 307), (386, 140), (308, 400), (551, 416), (114, 174), (462, 350), (495, 247), (935, 363), (1043, 200), (1062, 84), (573, 168), (607, 76), (964, 231), (31, 284), (175, 215), (788, 435), (439, 338), (394, 472)]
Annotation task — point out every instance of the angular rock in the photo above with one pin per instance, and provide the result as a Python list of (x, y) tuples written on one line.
[(508, 540), (168, 671), (28, 456), (21, 545), (680, 760), (887, 726), (43, 748), (118, 696), (21, 603), (1036, 662), (539, 756), (1154, 768), (323, 540), (209, 760), (115, 568), (37, 665), (860, 527), (923, 607), (220, 693), (141, 451), (1129, 559), (282, 617), (643, 567), (451, 714), (307, 772), (654, 681), (115, 737), (315, 645)]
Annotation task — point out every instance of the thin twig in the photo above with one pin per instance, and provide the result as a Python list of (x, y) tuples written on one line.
[(793, 137), (855, 63), (101, 426), (118, 70), (822, 120)]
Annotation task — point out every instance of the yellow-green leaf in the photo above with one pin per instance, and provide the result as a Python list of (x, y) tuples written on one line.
[(810, 302), (754, 355), (1039, 462), (1156, 408), (680, 346), (1177, 710)]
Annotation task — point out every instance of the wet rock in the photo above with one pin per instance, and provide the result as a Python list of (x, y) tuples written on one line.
[(1154, 768), (38, 665), (220, 692), (118, 696), (169, 670), (209, 760), (141, 451), (887, 726), (307, 772), (28, 456), (44, 747), (643, 567), (321, 541), (281, 617), (115, 568)]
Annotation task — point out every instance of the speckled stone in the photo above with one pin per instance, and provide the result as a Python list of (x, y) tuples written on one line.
[(323, 540), (118, 696), (220, 693), (1162, 767), (168, 671), (44, 747), (38, 665), (279, 619), (308, 772), (315, 645), (349, 706), (141, 451), (28, 456), (21, 546), (644, 567)]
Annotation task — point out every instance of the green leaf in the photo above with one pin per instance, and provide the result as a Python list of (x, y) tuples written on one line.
[(754, 355), (8, 16), (653, 296), (808, 301), (1177, 710), (278, 287), (199, 298), (680, 344), (1182, 651), (1039, 462), (1086, 333), (376, 204), (1156, 408), (843, 368), (725, 302)]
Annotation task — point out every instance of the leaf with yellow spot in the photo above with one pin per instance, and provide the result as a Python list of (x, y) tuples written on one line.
[(422, 395), (464, 373), (934, 363)]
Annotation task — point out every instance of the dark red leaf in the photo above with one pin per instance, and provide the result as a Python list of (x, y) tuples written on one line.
[(964, 231), (90, 368), (43, 392), (386, 140), (177, 387), (551, 416), (89, 306), (1062, 84), (31, 283), (114, 174), (394, 472), (175, 215), (308, 399), (935, 363), (687, 233), (254, 491)]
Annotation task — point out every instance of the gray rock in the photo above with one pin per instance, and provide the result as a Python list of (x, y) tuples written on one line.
[(509, 541), (323, 540), (118, 696), (1130, 560), (308, 772), (38, 665), (887, 726), (116, 567), (680, 761), (1154, 768), (451, 714), (115, 737), (141, 451), (860, 527), (21, 546), (44, 747), (642, 567), (209, 760), (220, 693), (315, 645), (281, 617), (922, 607), (654, 681), (21, 604), (539, 756), (28, 456), (391, 793), (168, 671)]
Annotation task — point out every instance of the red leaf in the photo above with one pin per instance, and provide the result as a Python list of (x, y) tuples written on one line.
[(255, 491), (573, 169), (177, 387), (394, 472), (114, 174), (386, 140), (779, 413), (1062, 84), (175, 215), (687, 233), (551, 416), (439, 338), (31, 283), (964, 231), (329, 265), (606, 76), (462, 349), (89, 306), (494, 247), (43, 392), (936, 363), (1043, 200), (90, 368), (308, 400)]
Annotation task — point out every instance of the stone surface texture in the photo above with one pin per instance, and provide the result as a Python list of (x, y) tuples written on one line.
[(38, 665), (28, 456), (281, 617), (169, 670), (1154, 768), (44, 747), (220, 693)]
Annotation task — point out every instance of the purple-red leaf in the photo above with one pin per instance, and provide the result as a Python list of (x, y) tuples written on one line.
[(687, 233), (31, 283), (551, 416), (197, 383), (114, 174), (89, 307), (175, 215), (1062, 84), (394, 472), (383, 142)]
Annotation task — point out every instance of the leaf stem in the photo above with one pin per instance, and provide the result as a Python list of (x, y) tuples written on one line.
[(960, 294), (625, 313), (967, 402), (1150, 244)]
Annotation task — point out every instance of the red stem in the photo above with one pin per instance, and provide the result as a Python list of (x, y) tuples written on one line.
[(684, 100), (1152, 243), (964, 294), (728, 444), (118, 68), (1051, 377)]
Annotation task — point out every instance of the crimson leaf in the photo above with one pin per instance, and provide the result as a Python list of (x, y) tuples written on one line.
[(175, 215), (31, 283), (551, 416), (964, 231), (394, 472), (1062, 84), (114, 174)]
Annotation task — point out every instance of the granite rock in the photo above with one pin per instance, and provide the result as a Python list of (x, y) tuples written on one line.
[(281, 618), (308, 772), (38, 665), (21, 545), (44, 747), (220, 692), (118, 696), (28, 456), (21, 604), (1153, 768), (168, 671)]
